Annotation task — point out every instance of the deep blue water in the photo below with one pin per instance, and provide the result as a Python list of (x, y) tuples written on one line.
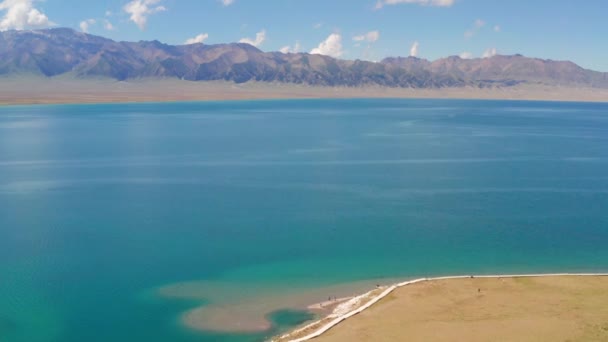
[(100, 204)]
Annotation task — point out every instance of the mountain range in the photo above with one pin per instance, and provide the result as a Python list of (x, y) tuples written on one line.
[(63, 51)]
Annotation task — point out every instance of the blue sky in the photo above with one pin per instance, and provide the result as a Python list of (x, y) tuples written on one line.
[(555, 29)]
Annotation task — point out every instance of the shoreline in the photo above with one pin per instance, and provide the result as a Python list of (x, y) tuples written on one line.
[(354, 306), (62, 90), (329, 304), (245, 308)]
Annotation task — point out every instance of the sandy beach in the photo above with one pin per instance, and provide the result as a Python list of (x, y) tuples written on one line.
[(481, 304), (37, 90), (489, 308)]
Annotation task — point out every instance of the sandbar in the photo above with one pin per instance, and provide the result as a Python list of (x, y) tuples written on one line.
[(244, 308)]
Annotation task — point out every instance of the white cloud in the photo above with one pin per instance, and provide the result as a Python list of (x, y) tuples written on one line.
[(260, 37), (438, 3), (497, 28), (369, 37), (332, 46), (466, 55), (109, 13), (414, 49), (227, 2), (108, 25), (84, 25), (489, 53), (288, 49), (198, 39), (477, 25), (21, 14), (141, 9)]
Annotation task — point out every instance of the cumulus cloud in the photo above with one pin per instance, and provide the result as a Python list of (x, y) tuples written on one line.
[(332, 46), (260, 37), (489, 53), (369, 37), (438, 3), (198, 39), (139, 11), (85, 24), (477, 25), (466, 55), (227, 2), (21, 14), (108, 25), (288, 49), (414, 49)]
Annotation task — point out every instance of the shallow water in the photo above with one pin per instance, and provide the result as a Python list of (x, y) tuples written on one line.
[(101, 205)]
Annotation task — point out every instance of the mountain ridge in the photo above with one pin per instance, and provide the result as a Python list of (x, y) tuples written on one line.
[(63, 51)]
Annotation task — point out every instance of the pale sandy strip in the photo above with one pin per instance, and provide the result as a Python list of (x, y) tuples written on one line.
[(392, 288)]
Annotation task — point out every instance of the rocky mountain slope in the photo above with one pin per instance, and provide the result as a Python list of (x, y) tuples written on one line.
[(63, 51)]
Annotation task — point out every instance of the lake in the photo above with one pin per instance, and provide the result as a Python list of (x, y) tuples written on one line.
[(117, 220)]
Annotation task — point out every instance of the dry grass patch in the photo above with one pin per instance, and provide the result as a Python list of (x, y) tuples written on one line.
[(486, 309)]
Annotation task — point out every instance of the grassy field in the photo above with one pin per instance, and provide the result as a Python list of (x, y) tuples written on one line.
[(488, 309)]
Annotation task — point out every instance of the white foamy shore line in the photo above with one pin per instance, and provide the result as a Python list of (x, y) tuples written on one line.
[(350, 308)]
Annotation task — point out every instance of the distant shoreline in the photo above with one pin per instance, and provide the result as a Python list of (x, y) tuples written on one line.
[(31, 90), (349, 308)]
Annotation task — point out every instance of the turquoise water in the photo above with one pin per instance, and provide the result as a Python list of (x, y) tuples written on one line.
[(102, 204)]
